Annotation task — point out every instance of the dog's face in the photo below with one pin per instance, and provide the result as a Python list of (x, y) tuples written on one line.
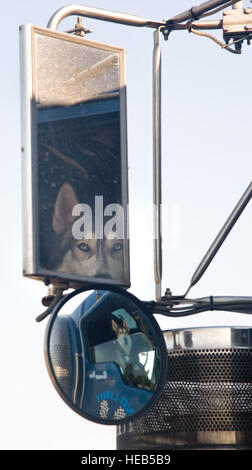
[(89, 256), (122, 332), (120, 327)]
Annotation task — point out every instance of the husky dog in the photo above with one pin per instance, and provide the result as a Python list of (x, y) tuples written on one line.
[(129, 349), (89, 256), (123, 349)]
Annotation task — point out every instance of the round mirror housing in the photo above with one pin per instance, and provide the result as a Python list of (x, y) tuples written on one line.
[(105, 354)]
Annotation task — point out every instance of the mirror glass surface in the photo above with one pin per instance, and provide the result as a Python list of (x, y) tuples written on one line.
[(106, 355), (79, 160)]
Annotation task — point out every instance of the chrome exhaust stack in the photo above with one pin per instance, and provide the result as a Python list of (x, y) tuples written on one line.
[(206, 402)]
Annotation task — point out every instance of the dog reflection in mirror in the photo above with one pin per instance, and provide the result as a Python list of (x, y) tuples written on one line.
[(87, 256)]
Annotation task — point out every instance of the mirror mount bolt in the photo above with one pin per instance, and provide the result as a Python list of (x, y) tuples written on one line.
[(79, 29), (168, 293), (166, 30)]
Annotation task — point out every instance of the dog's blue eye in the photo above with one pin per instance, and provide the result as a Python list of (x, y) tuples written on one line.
[(117, 247), (83, 247)]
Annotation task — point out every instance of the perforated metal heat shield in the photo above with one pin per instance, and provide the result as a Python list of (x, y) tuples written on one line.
[(207, 398)]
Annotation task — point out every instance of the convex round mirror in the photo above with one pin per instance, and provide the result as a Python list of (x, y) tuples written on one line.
[(105, 354)]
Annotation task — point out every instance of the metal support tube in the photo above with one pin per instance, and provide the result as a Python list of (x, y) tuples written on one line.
[(157, 189), (222, 235), (125, 19), (238, 5), (213, 24), (98, 14), (196, 12)]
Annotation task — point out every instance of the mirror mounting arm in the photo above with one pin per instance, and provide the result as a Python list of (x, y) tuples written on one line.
[(99, 14), (55, 294)]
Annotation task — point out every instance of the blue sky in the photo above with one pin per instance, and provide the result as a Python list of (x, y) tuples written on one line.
[(206, 132)]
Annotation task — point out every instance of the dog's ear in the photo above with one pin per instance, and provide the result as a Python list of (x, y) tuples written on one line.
[(65, 202), (115, 327), (125, 326)]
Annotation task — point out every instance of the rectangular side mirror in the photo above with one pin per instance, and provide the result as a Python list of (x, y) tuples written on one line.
[(74, 159)]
